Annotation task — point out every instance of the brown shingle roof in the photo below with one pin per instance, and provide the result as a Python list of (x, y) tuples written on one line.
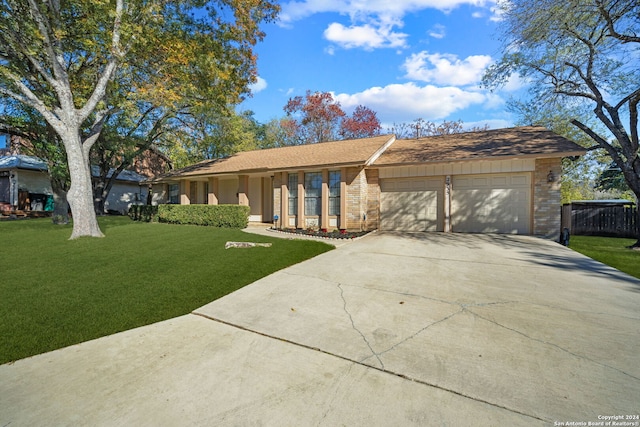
[(527, 141), (336, 153)]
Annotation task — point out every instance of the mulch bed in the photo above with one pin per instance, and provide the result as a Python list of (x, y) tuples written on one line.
[(335, 234)]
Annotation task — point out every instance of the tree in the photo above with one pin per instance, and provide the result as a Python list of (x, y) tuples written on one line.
[(581, 55), (275, 133), (208, 135), (127, 135), (420, 128), (363, 123), (77, 62), (316, 116), (579, 173)]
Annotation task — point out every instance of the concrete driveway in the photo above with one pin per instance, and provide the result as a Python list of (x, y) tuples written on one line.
[(392, 329)]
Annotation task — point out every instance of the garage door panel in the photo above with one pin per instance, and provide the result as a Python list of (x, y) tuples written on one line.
[(491, 204), (411, 204)]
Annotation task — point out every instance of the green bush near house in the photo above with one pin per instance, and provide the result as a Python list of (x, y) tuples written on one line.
[(144, 213), (227, 216)]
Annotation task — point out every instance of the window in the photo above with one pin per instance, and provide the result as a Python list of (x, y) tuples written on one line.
[(334, 193), (174, 194), (313, 193), (293, 193)]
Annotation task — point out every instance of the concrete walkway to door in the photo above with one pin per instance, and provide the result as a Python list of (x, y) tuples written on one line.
[(392, 329)]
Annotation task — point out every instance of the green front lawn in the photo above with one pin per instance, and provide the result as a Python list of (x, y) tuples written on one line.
[(56, 292), (609, 250)]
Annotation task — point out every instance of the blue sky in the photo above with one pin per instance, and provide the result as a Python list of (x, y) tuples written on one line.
[(404, 59)]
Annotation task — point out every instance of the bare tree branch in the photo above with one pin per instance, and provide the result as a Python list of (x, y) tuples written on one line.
[(625, 38)]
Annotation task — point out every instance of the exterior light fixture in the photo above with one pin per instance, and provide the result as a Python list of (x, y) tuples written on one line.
[(551, 177)]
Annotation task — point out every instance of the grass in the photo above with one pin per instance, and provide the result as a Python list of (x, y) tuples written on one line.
[(612, 251), (57, 292)]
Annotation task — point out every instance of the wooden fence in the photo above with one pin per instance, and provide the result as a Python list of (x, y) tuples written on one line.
[(590, 220)]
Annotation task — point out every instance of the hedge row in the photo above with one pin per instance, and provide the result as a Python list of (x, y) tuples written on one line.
[(143, 213), (230, 216)]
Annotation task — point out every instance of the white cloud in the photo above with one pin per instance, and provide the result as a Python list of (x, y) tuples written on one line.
[(356, 9), (515, 83), (364, 36), (373, 23), (405, 102), (446, 69), (258, 86), (438, 31), (498, 10)]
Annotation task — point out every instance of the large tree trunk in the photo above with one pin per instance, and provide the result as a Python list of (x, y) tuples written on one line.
[(80, 195)]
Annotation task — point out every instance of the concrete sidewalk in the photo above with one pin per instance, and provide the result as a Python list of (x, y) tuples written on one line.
[(391, 329)]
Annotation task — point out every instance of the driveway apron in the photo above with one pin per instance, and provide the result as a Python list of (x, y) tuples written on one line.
[(391, 329)]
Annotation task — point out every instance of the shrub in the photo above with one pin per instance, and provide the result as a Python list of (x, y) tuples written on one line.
[(143, 213), (230, 216)]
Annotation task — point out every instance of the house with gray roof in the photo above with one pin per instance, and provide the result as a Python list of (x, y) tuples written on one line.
[(25, 186)]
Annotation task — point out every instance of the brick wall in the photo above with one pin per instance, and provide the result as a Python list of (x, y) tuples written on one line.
[(546, 198), (373, 199), (363, 194), (355, 184)]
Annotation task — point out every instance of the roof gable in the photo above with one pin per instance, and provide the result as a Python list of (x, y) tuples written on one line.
[(526, 141)]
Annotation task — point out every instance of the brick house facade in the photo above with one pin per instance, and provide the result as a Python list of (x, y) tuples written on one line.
[(504, 181)]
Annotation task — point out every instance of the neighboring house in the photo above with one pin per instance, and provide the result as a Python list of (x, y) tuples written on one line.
[(25, 186), (496, 181)]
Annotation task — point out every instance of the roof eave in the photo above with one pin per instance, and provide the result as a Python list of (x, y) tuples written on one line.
[(256, 171), (488, 158)]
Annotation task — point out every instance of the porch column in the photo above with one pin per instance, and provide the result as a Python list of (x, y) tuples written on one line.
[(284, 199), (243, 190), (343, 198), (300, 218), (212, 197), (324, 202), (185, 187), (447, 204)]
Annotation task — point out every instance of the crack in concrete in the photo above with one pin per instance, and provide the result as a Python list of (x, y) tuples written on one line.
[(384, 371), (466, 261), (404, 294), (466, 307), (565, 309), (554, 345), (356, 329), (419, 332), (329, 406)]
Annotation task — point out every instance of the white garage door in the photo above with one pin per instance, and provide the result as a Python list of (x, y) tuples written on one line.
[(411, 204), (491, 203)]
